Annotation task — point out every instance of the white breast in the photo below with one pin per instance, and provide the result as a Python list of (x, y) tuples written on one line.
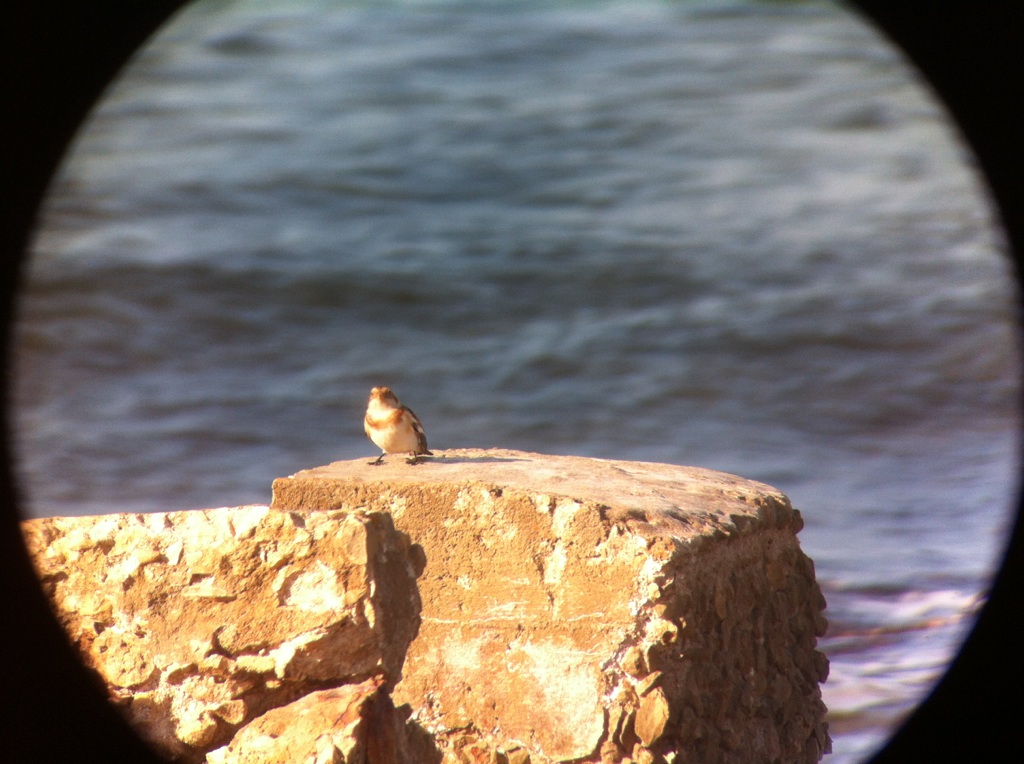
[(397, 439)]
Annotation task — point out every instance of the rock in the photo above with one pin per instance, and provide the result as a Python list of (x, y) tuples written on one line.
[(555, 588), (652, 716), (352, 724), (573, 609), (325, 727), (199, 622)]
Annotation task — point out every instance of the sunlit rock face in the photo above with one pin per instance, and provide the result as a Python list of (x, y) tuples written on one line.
[(201, 621), (589, 609), (516, 607)]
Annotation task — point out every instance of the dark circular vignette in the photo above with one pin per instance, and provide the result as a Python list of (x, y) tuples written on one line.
[(971, 54), (57, 57)]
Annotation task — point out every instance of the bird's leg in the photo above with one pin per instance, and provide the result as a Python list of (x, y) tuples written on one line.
[(413, 459), (378, 461)]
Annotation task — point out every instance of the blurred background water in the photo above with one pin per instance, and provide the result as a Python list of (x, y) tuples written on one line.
[(733, 234)]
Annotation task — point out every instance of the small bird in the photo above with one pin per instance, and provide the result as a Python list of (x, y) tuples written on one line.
[(393, 427)]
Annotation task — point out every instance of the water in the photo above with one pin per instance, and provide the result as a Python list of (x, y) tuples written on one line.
[(737, 235)]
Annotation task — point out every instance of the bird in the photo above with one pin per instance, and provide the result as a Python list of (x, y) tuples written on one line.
[(393, 427)]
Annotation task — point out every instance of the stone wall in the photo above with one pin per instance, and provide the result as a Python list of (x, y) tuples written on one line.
[(563, 609)]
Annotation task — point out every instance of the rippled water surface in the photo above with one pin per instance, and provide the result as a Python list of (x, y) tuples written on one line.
[(736, 235)]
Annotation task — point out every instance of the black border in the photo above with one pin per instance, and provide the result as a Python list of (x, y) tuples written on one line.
[(972, 53), (56, 57), (55, 60)]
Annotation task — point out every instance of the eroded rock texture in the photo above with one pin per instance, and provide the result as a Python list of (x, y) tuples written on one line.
[(200, 622), (591, 610)]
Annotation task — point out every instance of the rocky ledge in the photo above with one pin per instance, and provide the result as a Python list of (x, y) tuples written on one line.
[(516, 607)]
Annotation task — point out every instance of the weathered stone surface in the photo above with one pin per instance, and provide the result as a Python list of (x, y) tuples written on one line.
[(598, 610), (200, 621), (352, 724), (574, 609), (652, 716), (325, 727)]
